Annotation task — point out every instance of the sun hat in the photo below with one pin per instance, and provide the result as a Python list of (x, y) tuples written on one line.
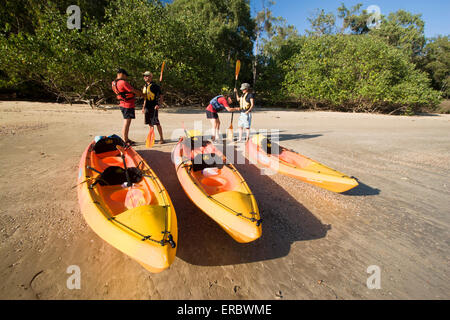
[(147, 73), (245, 86)]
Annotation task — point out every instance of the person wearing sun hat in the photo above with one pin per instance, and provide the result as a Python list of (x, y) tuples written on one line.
[(246, 103), (152, 101)]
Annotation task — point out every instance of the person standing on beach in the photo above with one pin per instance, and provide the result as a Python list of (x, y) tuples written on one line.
[(126, 94), (153, 98), (246, 102), (217, 104)]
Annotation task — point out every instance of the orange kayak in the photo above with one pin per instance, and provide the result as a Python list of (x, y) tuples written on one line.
[(261, 150), (138, 220), (217, 188)]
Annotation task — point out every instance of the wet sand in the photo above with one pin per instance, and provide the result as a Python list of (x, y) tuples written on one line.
[(315, 244)]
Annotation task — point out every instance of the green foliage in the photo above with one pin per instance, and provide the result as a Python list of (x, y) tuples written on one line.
[(275, 38), (345, 68), (137, 35), (322, 23), (226, 29), (436, 61), (403, 30), (357, 73), (354, 19), (64, 62), (272, 73), (23, 15)]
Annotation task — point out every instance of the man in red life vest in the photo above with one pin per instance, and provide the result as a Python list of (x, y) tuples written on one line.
[(126, 94)]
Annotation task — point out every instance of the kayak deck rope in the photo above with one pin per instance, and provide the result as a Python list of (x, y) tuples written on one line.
[(189, 167), (166, 234)]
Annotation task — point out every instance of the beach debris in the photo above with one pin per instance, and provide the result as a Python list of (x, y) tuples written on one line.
[(31, 282), (279, 294)]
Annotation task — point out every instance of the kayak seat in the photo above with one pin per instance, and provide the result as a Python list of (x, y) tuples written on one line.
[(269, 147), (115, 175), (112, 161), (206, 160), (195, 142), (107, 144)]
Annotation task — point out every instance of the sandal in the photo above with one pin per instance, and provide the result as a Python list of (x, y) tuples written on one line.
[(130, 142)]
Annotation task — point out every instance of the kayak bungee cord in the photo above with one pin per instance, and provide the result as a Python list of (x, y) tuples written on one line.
[(189, 167), (111, 218)]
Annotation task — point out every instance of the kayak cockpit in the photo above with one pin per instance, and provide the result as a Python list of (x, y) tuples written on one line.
[(214, 180), (112, 179)]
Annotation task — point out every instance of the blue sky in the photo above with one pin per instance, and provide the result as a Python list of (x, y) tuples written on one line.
[(435, 13)]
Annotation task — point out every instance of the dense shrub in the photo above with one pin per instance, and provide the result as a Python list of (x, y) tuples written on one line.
[(200, 41), (359, 73), (137, 35)]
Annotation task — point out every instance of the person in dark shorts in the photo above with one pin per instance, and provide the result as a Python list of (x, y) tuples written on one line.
[(217, 104), (126, 94), (153, 98)]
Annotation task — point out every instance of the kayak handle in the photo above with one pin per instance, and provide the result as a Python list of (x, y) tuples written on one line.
[(172, 243)]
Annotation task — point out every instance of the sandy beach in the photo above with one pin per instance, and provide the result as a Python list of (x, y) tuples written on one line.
[(315, 244)]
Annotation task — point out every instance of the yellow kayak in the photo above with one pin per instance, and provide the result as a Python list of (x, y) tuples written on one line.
[(217, 188), (125, 203), (260, 149)]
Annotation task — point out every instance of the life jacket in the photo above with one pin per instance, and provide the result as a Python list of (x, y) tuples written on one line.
[(122, 95), (216, 105), (244, 104), (148, 94)]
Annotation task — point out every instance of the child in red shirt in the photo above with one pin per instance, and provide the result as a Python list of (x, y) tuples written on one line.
[(216, 105)]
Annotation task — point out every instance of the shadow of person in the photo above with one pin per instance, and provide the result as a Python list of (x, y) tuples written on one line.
[(287, 136), (201, 241)]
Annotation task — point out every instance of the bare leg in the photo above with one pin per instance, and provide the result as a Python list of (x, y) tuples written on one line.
[(213, 128), (125, 129), (240, 134), (217, 129), (161, 139), (247, 132)]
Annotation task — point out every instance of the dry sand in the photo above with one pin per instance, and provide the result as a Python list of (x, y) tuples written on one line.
[(315, 244)]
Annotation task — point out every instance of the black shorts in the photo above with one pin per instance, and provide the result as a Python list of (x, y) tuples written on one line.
[(128, 113), (212, 115), (151, 117)]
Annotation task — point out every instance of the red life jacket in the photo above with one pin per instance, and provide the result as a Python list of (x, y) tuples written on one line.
[(122, 95)]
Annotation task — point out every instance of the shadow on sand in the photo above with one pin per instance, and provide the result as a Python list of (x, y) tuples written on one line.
[(362, 190), (202, 242), (287, 136)]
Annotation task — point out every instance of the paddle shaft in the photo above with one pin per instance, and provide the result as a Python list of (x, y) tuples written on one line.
[(238, 69), (161, 77)]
